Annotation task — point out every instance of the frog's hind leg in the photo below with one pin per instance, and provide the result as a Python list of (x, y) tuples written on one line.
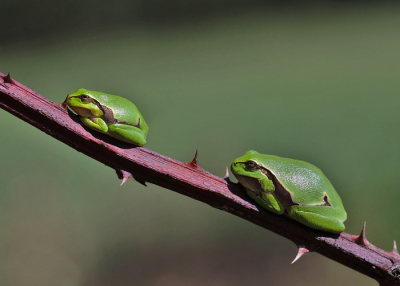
[(128, 133), (324, 218)]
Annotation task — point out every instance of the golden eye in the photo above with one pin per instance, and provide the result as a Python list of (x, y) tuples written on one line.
[(251, 165), (85, 98)]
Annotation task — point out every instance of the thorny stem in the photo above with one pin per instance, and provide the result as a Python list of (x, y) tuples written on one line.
[(190, 180)]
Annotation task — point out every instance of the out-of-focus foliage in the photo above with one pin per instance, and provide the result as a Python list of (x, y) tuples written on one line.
[(29, 19), (318, 84)]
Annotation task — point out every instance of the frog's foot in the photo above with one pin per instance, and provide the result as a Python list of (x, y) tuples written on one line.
[(127, 133), (267, 201), (96, 124), (324, 218)]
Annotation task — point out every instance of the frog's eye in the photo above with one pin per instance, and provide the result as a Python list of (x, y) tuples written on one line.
[(251, 165), (85, 98)]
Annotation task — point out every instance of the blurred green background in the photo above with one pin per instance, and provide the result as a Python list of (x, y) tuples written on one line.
[(316, 81)]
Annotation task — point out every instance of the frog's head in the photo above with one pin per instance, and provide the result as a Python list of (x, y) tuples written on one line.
[(83, 103), (249, 170), (246, 164)]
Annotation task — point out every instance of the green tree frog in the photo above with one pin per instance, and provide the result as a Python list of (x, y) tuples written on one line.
[(295, 188), (109, 114)]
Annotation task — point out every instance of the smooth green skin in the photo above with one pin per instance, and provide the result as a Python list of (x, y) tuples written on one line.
[(296, 188), (109, 114)]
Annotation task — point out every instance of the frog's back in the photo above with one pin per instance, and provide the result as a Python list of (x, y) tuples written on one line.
[(307, 184), (122, 108)]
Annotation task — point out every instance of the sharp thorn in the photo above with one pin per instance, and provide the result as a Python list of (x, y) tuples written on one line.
[(394, 251), (124, 175), (8, 79), (300, 253), (194, 161), (361, 239), (226, 177), (64, 103), (124, 179), (193, 164)]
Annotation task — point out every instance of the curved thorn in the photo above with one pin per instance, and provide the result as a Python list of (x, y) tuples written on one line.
[(193, 164), (394, 251), (8, 79), (124, 179), (194, 161), (64, 103), (361, 239), (300, 253), (226, 177), (124, 175)]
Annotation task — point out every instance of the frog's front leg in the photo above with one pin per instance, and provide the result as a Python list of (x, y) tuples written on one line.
[(95, 123), (128, 133), (324, 218), (267, 201)]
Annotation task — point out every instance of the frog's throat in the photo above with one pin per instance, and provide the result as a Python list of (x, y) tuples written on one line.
[(81, 111)]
